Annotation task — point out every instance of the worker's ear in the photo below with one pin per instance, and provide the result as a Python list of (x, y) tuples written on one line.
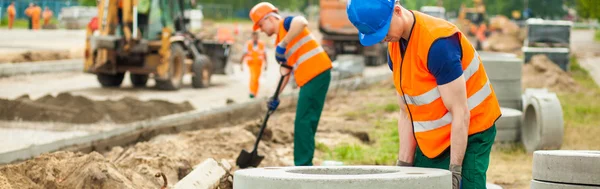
[(397, 10)]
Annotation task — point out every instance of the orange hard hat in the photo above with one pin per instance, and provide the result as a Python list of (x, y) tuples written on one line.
[(259, 11)]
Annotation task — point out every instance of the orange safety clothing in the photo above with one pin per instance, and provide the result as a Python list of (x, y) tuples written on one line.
[(255, 54), (430, 119), (47, 15), (305, 55), (12, 13)]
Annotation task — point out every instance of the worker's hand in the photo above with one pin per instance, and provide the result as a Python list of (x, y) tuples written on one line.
[(403, 163), (456, 176), (280, 53), (273, 103)]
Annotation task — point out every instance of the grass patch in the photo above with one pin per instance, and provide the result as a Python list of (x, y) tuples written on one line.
[(383, 152), (581, 108), (23, 23), (19, 23), (597, 36), (391, 107)]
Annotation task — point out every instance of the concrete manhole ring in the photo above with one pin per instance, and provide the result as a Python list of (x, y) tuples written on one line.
[(511, 119), (542, 126), (342, 177), (549, 185), (567, 166)]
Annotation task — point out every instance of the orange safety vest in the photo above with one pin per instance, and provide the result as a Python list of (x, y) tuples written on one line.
[(255, 53), (305, 55), (430, 119)]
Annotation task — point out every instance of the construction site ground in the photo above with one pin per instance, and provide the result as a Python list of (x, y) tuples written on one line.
[(21, 45), (357, 127)]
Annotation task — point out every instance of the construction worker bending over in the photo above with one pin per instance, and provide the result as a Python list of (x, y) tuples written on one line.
[(255, 56), (448, 108), (299, 53)]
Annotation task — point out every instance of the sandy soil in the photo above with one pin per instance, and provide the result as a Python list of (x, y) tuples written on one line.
[(174, 155), (541, 72), (78, 109)]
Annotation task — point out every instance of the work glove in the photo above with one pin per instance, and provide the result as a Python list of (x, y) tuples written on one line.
[(403, 164), (456, 176), (272, 104), (280, 53)]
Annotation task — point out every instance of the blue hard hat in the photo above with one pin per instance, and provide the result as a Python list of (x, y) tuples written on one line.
[(371, 18)]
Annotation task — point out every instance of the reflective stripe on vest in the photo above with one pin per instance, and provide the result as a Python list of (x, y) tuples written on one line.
[(305, 55), (431, 119)]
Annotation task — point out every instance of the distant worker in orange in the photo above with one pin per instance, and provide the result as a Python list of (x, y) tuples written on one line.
[(47, 15), (255, 56), (34, 12), (12, 13)]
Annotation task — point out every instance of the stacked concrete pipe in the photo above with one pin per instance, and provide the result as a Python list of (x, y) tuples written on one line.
[(566, 169), (508, 126), (504, 72), (342, 177)]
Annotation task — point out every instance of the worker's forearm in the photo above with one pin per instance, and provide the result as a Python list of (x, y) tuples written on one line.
[(284, 83), (406, 136), (408, 144), (296, 27), (459, 135)]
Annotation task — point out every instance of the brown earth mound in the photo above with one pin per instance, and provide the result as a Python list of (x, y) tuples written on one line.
[(541, 72), (41, 55), (175, 155), (77, 109), (500, 42)]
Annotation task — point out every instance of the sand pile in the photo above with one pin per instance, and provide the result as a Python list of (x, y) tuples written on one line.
[(175, 155), (41, 55), (77, 109), (541, 72)]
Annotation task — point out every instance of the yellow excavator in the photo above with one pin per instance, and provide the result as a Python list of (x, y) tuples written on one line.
[(149, 39)]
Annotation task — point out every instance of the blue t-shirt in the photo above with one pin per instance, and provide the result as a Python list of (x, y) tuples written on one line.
[(287, 22), (444, 59)]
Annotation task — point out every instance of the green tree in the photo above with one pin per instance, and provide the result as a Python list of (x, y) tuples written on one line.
[(588, 8), (87, 2)]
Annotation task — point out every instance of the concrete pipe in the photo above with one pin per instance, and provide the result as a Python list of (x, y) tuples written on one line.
[(514, 104), (500, 67), (342, 177), (567, 166), (507, 135), (530, 91), (542, 126), (507, 89), (510, 119), (548, 185)]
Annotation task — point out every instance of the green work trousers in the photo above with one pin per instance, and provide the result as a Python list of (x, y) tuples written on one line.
[(308, 112), (475, 163)]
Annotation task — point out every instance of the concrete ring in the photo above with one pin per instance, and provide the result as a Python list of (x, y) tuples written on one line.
[(542, 126), (567, 166), (510, 119), (342, 177), (548, 185)]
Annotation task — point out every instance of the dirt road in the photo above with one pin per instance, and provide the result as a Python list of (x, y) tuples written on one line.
[(587, 51)]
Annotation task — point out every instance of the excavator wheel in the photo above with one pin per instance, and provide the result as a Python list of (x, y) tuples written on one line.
[(176, 69)]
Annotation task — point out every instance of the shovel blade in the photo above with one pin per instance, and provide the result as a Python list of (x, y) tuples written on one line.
[(248, 159)]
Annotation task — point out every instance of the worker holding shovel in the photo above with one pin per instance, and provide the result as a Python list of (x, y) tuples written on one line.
[(297, 52), (448, 108)]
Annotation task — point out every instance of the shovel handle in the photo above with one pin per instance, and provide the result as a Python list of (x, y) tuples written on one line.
[(269, 112)]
